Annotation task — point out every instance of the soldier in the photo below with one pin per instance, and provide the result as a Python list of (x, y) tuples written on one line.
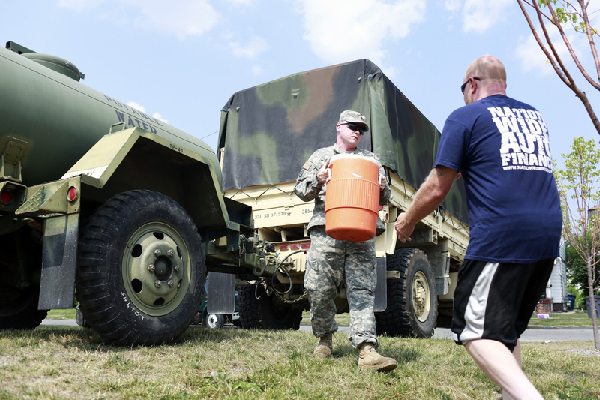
[(500, 146), (330, 260)]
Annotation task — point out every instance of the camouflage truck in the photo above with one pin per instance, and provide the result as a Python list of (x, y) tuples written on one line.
[(99, 198), (267, 132)]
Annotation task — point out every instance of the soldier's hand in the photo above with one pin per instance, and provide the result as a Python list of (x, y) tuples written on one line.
[(323, 174), (382, 182), (403, 228)]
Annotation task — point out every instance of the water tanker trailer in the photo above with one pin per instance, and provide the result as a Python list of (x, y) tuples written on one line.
[(104, 201)]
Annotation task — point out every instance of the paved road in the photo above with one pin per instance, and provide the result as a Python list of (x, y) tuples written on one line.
[(530, 335), (537, 334)]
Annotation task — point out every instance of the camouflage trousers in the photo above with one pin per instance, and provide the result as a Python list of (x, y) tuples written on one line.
[(329, 262)]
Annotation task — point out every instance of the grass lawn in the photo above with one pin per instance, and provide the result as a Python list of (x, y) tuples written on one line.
[(571, 318), (73, 363), (67, 313)]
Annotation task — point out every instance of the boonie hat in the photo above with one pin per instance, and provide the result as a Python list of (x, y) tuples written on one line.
[(355, 117)]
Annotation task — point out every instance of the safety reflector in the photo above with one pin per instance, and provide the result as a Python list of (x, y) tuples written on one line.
[(6, 197), (72, 193)]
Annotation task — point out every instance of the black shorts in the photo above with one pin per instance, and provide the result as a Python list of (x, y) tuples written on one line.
[(496, 300)]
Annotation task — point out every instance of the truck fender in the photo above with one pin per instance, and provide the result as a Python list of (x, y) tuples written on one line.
[(134, 159)]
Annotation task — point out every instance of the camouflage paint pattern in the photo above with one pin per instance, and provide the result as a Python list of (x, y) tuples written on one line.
[(270, 130), (329, 262)]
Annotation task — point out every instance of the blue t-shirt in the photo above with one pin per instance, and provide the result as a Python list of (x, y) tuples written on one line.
[(501, 147)]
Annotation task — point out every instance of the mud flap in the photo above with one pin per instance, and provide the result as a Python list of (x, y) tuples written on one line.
[(59, 259), (381, 288), (221, 293)]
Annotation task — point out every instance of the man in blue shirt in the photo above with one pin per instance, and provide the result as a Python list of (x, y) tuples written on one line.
[(500, 147)]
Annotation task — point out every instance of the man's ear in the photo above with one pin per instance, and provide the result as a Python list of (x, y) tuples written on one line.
[(474, 85)]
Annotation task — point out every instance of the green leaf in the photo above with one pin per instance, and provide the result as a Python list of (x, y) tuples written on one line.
[(247, 386)]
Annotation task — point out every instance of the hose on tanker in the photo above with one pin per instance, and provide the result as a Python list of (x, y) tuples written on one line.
[(279, 294), (283, 271)]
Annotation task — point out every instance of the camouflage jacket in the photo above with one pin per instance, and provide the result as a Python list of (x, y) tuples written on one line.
[(308, 187)]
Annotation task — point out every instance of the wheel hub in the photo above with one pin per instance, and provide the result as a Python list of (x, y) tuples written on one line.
[(421, 296), (155, 269), (212, 320), (162, 268)]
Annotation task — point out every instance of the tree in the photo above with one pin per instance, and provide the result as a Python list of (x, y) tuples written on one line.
[(573, 13), (577, 268), (578, 182)]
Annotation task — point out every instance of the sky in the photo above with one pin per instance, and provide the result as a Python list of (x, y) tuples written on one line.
[(181, 60)]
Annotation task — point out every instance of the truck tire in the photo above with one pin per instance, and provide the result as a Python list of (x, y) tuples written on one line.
[(18, 308), (213, 321), (412, 299), (141, 271), (80, 319), (248, 308), (267, 312)]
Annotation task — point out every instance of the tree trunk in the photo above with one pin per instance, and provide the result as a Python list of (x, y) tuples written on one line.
[(593, 306)]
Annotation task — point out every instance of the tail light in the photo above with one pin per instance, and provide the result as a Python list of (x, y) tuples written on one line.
[(72, 193), (6, 197)]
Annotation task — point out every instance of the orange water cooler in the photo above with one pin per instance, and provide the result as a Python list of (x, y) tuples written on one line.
[(352, 198)]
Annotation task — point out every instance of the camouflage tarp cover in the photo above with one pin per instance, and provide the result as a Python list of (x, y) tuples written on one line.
[(270, 130)]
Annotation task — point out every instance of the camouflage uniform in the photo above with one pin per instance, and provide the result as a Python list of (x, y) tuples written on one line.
[(331, 261)]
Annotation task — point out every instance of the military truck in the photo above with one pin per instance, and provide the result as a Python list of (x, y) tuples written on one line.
[(103, 200), (267, 132)]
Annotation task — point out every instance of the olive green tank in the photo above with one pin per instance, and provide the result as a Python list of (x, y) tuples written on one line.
[(44, 102)]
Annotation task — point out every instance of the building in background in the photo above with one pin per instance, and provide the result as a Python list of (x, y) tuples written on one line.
[(557, 284)]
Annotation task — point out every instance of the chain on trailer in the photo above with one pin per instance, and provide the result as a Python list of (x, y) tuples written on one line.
[(263, 281), (272, 289)]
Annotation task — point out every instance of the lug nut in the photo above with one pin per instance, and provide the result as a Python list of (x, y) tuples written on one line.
[(151, 267), (176, 268), (170, 283), (156, 253), (170, 253), (157, 284)]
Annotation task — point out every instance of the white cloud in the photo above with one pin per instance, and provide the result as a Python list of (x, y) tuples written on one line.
[(160, 118), (135, 105), (257, 69), (533, 58), (241, 2), (140, 108), (79, 4), (179, 17), (256, 46), (452, 5), (345, 30), (480, 15), (182, 17)]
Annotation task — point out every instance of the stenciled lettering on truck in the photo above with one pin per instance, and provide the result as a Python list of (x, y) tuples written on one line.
[(133, 121)]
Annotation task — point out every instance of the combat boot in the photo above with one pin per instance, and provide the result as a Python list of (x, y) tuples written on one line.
[(325, 346), (368, 358)]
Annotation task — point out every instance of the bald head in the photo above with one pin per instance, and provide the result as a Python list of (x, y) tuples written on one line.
[(487, 68), (489, 78)]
